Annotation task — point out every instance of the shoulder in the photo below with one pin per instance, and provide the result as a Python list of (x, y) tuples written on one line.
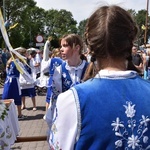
[(56, 60), (87, 85)]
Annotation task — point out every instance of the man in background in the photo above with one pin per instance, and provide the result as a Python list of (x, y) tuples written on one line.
[(137, 59), (4, 57)]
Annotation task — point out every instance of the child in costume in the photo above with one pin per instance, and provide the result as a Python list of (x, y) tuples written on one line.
[(12, 86), (110, 110), (55, 62), (48, 65), (71, 71), (27, 88)]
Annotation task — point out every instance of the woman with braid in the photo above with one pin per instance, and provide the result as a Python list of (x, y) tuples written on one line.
[(110, 110)]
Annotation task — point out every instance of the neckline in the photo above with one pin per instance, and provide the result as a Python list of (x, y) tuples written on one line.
[(111, 74), (80, 66)]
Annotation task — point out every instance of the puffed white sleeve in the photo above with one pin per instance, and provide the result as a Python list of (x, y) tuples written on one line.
[(28, 78), (63, 131), (45, 65)]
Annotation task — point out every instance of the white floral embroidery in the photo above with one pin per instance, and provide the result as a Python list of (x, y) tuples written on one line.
[(130, 110), (127, 133), (118, 143), (144, 120), (64, 74), (117, 124), (133, 141)]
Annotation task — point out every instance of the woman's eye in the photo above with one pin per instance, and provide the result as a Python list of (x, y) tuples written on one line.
[(65, 45)]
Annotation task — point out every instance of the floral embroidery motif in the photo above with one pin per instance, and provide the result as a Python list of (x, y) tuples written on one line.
[(3, 110), (64, 75), (4, 133), (66, 82), (55, 92), (8, 132), (54, 129), (54, 144), (56, 147), (55, 64), (133, 134)]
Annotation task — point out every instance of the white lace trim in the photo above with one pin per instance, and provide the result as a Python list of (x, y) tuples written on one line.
[(81, 66), (116, 74), (78, 112)]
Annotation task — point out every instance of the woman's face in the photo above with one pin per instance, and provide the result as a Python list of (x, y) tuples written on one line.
[(134, 50), (66, 50)]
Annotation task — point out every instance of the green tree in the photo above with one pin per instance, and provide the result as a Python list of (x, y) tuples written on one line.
[(81, 28), (59, 23), (33, 20), (33, 25), (140, 20), (29, 18), (132, 12)]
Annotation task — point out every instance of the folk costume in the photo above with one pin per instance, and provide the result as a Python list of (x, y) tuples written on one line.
[(27, 88), (55, 62), (12, 86), (64, 78), (120, 119)]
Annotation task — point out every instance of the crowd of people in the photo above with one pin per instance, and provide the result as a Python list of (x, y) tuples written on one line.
[(141, 60), (71, 72), (98, 100)]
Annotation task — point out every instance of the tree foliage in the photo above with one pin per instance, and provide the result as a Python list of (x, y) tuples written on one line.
[(81, 28), (59, 23), (140, 19), (33, 20), (29, 19)]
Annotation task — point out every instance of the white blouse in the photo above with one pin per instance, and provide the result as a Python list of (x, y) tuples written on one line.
[(74, 72)]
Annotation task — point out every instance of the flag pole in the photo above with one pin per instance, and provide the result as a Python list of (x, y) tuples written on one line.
[(4, 14), (4, 10), (146, 23)]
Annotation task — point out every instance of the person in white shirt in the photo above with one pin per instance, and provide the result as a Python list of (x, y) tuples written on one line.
[(27, 88), (35, 64)]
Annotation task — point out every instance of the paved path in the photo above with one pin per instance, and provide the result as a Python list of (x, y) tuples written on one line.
[(34, 125)]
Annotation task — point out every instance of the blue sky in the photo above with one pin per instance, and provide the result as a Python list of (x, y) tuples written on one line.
[(81, 9)]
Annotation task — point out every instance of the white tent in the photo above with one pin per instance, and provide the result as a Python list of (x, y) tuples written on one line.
[(32, 49), (19, 48)]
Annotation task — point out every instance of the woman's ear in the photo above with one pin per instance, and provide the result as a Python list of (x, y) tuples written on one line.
[(77, 47)]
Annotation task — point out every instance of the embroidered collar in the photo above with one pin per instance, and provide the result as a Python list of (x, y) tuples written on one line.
[(116, 74), (81, 66)]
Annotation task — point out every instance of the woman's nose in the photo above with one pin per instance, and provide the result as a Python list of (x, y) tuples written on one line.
[(61, 49)]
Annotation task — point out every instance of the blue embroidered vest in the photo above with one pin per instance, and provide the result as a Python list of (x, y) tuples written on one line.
[(12, 70), (66, 80), (114, 114), (55, 62)]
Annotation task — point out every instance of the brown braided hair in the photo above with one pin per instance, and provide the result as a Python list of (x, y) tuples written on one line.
[(110, 32)]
